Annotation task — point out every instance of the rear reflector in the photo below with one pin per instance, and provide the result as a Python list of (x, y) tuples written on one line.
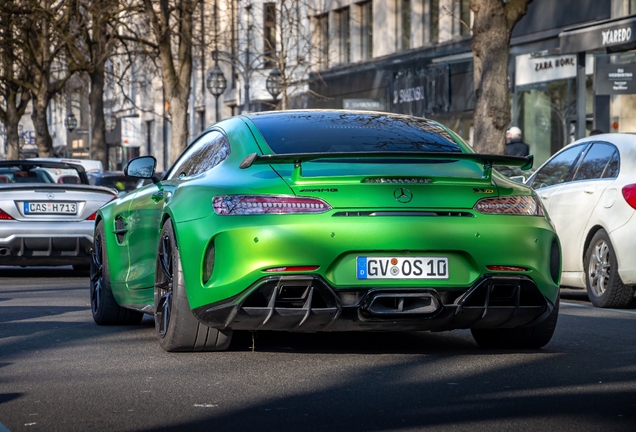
[(629, 193), (92, 217), (291, 269), (506, 268)]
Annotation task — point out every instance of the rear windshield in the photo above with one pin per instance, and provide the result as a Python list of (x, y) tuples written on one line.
[(329, 132)]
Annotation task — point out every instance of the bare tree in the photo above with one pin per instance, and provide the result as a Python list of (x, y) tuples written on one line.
[(172, 24), (493, 23), (13, 76), (96, 23)]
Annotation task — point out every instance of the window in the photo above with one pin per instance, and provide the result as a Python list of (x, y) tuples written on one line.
[(464, 15), (322, 29), (270, 34), (344, 35), (434, 20), (557, 169), (406, 24), (600, 161), (366, 30), (347, 132), (204, 154)]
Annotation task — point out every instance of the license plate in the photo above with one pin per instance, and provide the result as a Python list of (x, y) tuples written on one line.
[(50, 208), (402, 267)]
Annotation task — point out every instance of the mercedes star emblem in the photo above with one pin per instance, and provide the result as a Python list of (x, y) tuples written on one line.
[(50, 196), (403, 195)]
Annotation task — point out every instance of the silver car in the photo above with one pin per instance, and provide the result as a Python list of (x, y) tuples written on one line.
[(47, 212)]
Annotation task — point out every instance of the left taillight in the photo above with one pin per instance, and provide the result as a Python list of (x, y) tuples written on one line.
[(267, 204), (5, 216), (524, 205), (629, 193)]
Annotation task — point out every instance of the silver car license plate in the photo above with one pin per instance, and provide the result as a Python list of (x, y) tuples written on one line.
[(402, 267), (50, 208)]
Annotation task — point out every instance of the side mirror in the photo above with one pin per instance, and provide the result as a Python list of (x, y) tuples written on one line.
[(142, 167)]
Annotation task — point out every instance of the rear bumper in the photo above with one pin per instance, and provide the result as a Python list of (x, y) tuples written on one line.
[(37, 243), (309, 304)]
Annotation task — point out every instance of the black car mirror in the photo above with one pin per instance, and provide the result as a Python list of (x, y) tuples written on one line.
[(142, 167)]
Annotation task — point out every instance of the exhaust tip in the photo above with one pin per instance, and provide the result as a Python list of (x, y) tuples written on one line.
[(5, 251), (403, 304)]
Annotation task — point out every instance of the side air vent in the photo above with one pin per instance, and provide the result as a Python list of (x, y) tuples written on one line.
[(403, 213)]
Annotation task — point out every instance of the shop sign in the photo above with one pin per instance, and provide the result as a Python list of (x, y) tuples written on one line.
[(532, 70), (613, 79), (362, 104), (615, 35), (420, 92)]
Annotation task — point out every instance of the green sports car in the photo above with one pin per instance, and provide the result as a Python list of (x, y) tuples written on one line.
[(328, 221)]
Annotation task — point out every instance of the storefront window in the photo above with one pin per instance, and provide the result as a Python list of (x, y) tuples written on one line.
[(547, 115)]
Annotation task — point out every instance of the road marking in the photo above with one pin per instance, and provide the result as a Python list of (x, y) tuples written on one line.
[(599, 309)]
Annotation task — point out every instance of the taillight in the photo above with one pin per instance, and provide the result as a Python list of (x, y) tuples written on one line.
[(5, 216), (264, 204), (629, 193), (524, 205), (92, 217)]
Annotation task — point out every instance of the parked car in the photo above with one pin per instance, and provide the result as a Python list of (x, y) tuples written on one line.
[(46, 213), (115, 180), (589, 190), (328, 221)]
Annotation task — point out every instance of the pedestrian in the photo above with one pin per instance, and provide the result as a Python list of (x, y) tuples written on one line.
[(514, 144), (596, 132)]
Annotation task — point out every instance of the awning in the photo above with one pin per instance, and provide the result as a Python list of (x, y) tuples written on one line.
[(612, 35)]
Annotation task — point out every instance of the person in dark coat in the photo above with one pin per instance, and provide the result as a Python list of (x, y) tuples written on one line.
[(514, 144)]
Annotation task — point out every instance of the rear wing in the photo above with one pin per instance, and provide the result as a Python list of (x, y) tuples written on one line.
[(487, 160)]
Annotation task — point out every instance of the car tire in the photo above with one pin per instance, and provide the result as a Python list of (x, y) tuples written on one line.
[(532, 337), (177, 328), (104, 307), (605, 289)]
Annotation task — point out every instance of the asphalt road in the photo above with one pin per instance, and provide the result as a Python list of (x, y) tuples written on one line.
[(61, 372)]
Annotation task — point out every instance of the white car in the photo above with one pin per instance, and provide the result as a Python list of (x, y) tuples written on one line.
[(589, 191), (47, 213)]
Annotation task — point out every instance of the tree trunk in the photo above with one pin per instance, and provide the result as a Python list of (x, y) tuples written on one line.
[(176, 64), (42, 136), (14, 112), (96, 100), (492, 29)]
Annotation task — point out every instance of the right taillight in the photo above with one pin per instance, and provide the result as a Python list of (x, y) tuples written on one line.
[(629, 193), (524, 205)]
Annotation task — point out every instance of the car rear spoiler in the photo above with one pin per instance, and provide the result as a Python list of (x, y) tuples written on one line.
[(488, 160)]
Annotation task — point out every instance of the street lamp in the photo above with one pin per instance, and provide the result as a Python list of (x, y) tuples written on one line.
[(216, 84), (70, 122), (273, 83)]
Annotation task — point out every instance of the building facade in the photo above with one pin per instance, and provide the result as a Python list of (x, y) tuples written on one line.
[(414, 57)]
